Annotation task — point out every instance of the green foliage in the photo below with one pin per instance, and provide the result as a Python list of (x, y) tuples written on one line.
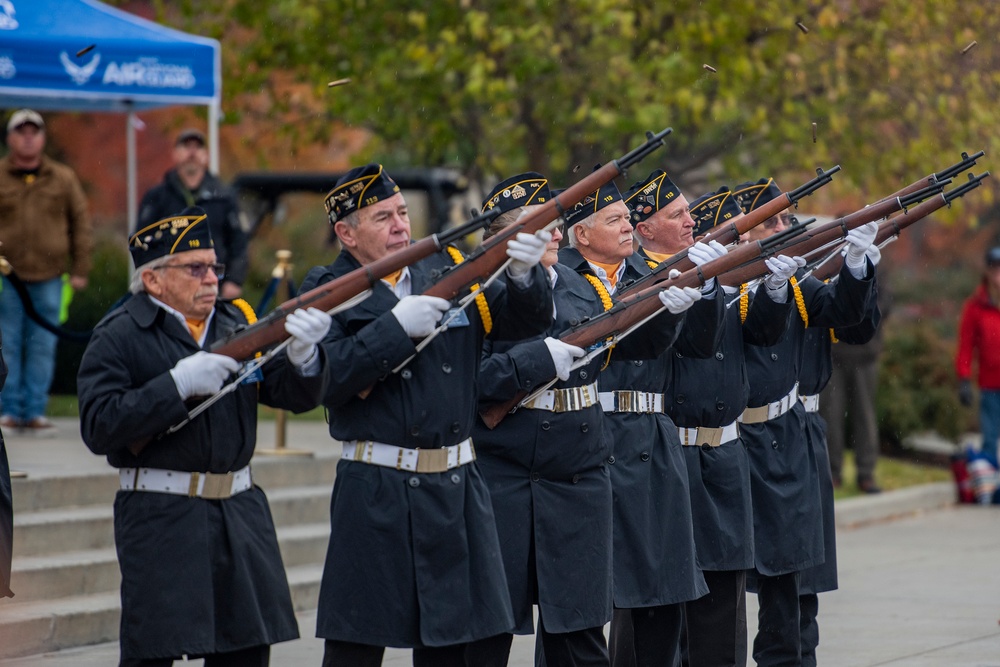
[(494, 87), (108, 283), (917, 388)]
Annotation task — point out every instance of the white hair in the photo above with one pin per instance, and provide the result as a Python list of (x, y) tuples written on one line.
[(136, 285), (586, 222)]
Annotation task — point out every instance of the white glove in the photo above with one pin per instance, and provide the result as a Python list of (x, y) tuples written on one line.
[(859, 240), (873, 254), (418, 314), (526, 250), (703, 253), (782, 268), (307, 327), (678, 299), (563, 356), (202, 374)]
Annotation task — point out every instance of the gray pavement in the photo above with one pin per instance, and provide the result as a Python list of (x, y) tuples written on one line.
[(919, 578)]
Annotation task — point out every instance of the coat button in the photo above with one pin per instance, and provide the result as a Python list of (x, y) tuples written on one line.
[(584, 427), (774, 444), (679, 398), (705, 447), (446, 368), (678, 355), (720, 356), (611, 460), (638, 363), (384, 364), (535, 477), (456, 427), (546, 426), (774, 357), (455, 478), (644, 456), (414, 482), (415, 430), (720, 406), (583, 375), (576, 479), (406, 374), (573, 322)]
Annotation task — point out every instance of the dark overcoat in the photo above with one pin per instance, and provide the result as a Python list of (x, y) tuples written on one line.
[(199, 576), (813, 376), (712, 392), (414, 558), (788, 515), (6, 504), (654, 554), (548, 473)]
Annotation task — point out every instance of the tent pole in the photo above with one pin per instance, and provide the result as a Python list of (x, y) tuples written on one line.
[(214, 117), (132, 185)]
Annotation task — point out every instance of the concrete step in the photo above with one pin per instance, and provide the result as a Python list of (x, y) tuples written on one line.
[(65, 575), (51, 531), (304, 544), (300, 504), (30, 628)]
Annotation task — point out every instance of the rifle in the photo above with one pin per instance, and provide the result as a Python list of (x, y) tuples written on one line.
[(597, 333), (828, 234), (483, 262), (945, 175), (890, 229), (343, 292), (732, 231)]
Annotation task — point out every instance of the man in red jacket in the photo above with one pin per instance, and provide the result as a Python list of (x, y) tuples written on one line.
[(979, 337)]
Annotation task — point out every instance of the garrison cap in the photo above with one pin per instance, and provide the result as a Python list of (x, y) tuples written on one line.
[(358, 188), (647, 197), (754, 195), (521, 190), (188, 230), (714, 208), (606, 195)]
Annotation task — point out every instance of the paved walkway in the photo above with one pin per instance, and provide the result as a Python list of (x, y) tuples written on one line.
[(917, 591)]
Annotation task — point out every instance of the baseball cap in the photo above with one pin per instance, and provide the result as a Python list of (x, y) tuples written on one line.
[(191, 134), (22, 116)]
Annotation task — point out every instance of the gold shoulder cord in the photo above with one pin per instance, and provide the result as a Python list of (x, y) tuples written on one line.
[(651, 264), (605, 297), (833, 336), (481, 303), (744, 303), (800, 301), (248, 313)]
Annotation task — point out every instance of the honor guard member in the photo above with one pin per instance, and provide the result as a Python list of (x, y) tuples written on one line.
[(784, 484), (705, 396), (414, 560), (654, 558), (201, 572), (814, 373), (6, 505), (546, 463)]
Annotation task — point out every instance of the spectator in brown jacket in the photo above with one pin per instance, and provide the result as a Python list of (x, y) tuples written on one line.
[(45, 232)]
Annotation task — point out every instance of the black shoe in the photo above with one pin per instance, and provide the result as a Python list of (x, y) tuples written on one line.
[(869, 486)]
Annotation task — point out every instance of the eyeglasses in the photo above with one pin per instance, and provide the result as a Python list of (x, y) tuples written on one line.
[(198, 269)]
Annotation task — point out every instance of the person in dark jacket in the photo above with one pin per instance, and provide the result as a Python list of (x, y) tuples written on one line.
[(201, 572), (709, 394), (545, 463), (190, 183), (6, 505), (784, 482), (654, 559), (414, 560)]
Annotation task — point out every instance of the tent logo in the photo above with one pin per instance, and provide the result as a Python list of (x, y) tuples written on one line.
[(7, 69), (151, 73), (79, 73), (7, 20)]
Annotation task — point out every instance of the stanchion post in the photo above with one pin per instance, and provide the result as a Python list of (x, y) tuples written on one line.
[(283, 273)]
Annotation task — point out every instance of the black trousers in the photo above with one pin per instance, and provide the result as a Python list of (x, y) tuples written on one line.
[(580, 648), (482, 653), (809, 628), (778, 642), (717, 622), (255, 656), (647, 636)]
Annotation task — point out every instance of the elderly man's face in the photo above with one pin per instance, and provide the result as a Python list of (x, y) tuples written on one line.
[(608, 239), (176, 284), (669, 230), (768, 228), (382, 228)]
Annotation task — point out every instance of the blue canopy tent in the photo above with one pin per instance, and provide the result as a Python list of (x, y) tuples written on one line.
[(133, 64)]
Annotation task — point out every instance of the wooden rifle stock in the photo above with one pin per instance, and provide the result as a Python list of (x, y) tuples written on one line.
[(631, 310), (270, 330), (485, 260), (732, 231)]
